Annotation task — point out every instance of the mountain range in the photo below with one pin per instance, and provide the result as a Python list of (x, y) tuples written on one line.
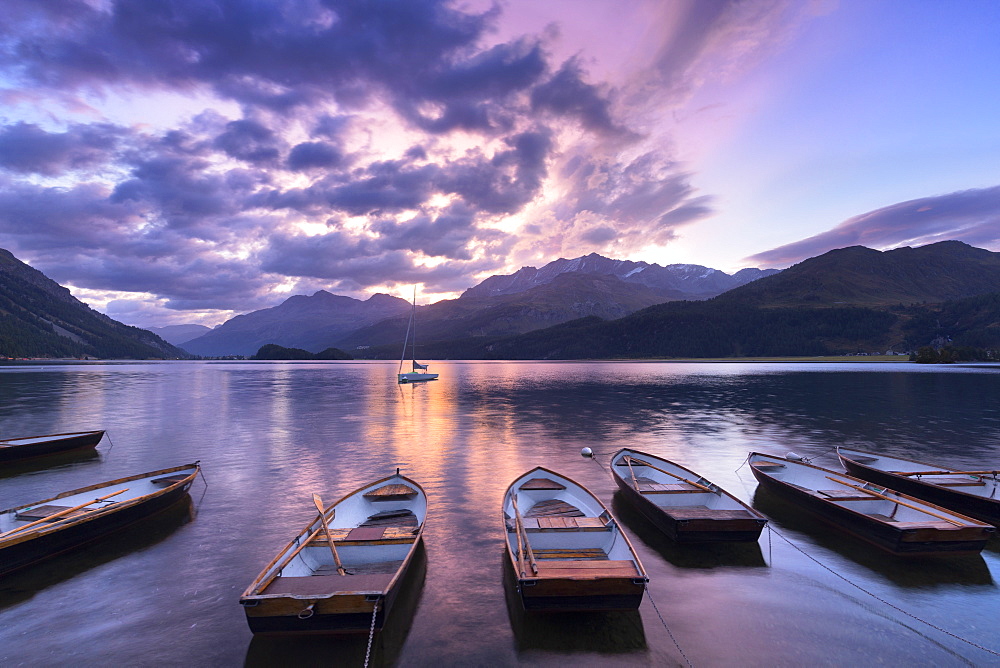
[(845, 301), (40, 318), (524, 301)]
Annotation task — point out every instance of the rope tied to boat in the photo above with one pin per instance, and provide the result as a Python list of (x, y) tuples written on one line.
[(649, 595), (371, 633), (877, 597)]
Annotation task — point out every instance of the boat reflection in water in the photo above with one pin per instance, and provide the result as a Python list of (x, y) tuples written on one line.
[(49, 462), (348, 650), (909, 572), (570, 632)]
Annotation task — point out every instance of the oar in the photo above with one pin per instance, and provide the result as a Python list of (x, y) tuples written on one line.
[(520, 546), (898, 501), (656, 468), (329, 538), (67, 511), (635, 483), (909, 473), (520, 524)]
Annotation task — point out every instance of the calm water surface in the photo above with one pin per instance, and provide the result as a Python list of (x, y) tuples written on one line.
[(270, 434)]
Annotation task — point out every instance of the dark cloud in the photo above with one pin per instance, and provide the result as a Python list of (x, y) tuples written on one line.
[(644, 200), (972, 216), (250, 141), (27, 148), (566, 94), (313, 155), (505, 182), (206, 214)]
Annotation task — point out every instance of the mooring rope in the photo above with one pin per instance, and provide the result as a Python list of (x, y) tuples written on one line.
[(649, 595), (108, 435), (371, 633), (878, 598)]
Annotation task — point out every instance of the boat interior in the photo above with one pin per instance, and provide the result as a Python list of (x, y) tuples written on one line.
[(856, 495), (568, 532), (70, 505), (979, 484), (373, 531), (677, 490)]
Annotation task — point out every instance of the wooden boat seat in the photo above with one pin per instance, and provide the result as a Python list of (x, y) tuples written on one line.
[(41, 512), (373, 568), (863, 460), (581, 553), (706, 513), (635, 462), (586, 569), (564, 524), (397, 492), (554, 508), (386, 535), (768, 465), (169, 479), (954, 482), (325, 585), (400, 517), (667, 488), (845, 495), (542, 483)]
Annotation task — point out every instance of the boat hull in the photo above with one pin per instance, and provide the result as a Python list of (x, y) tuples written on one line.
[(414, 377), (585, 562), (311, 603), (684, 526), (605, 594), (55, 443), (350, 614), (980, 508), (900, 541), (692, 530), (18, 552)]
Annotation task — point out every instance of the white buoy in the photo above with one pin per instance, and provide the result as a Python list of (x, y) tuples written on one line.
[(792, 457), (587, 452)]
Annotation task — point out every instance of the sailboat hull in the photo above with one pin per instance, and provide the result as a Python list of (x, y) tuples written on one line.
[(415, 377)]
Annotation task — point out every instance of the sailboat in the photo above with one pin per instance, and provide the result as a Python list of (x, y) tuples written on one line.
[(418, 372)]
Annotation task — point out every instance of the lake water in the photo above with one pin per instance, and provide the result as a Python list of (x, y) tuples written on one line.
[(269, 435)]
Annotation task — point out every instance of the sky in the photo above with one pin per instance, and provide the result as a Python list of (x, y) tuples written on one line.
[(185, 161)]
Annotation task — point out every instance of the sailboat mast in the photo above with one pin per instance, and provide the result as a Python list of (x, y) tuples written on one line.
[(409, 326), (412, 320)]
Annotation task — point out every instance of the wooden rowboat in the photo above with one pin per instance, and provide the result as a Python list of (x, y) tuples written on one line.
[(972, 493), (681, 503), (345, 566), (567, 550), (17, 449), (43, 529), (895, 522)]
